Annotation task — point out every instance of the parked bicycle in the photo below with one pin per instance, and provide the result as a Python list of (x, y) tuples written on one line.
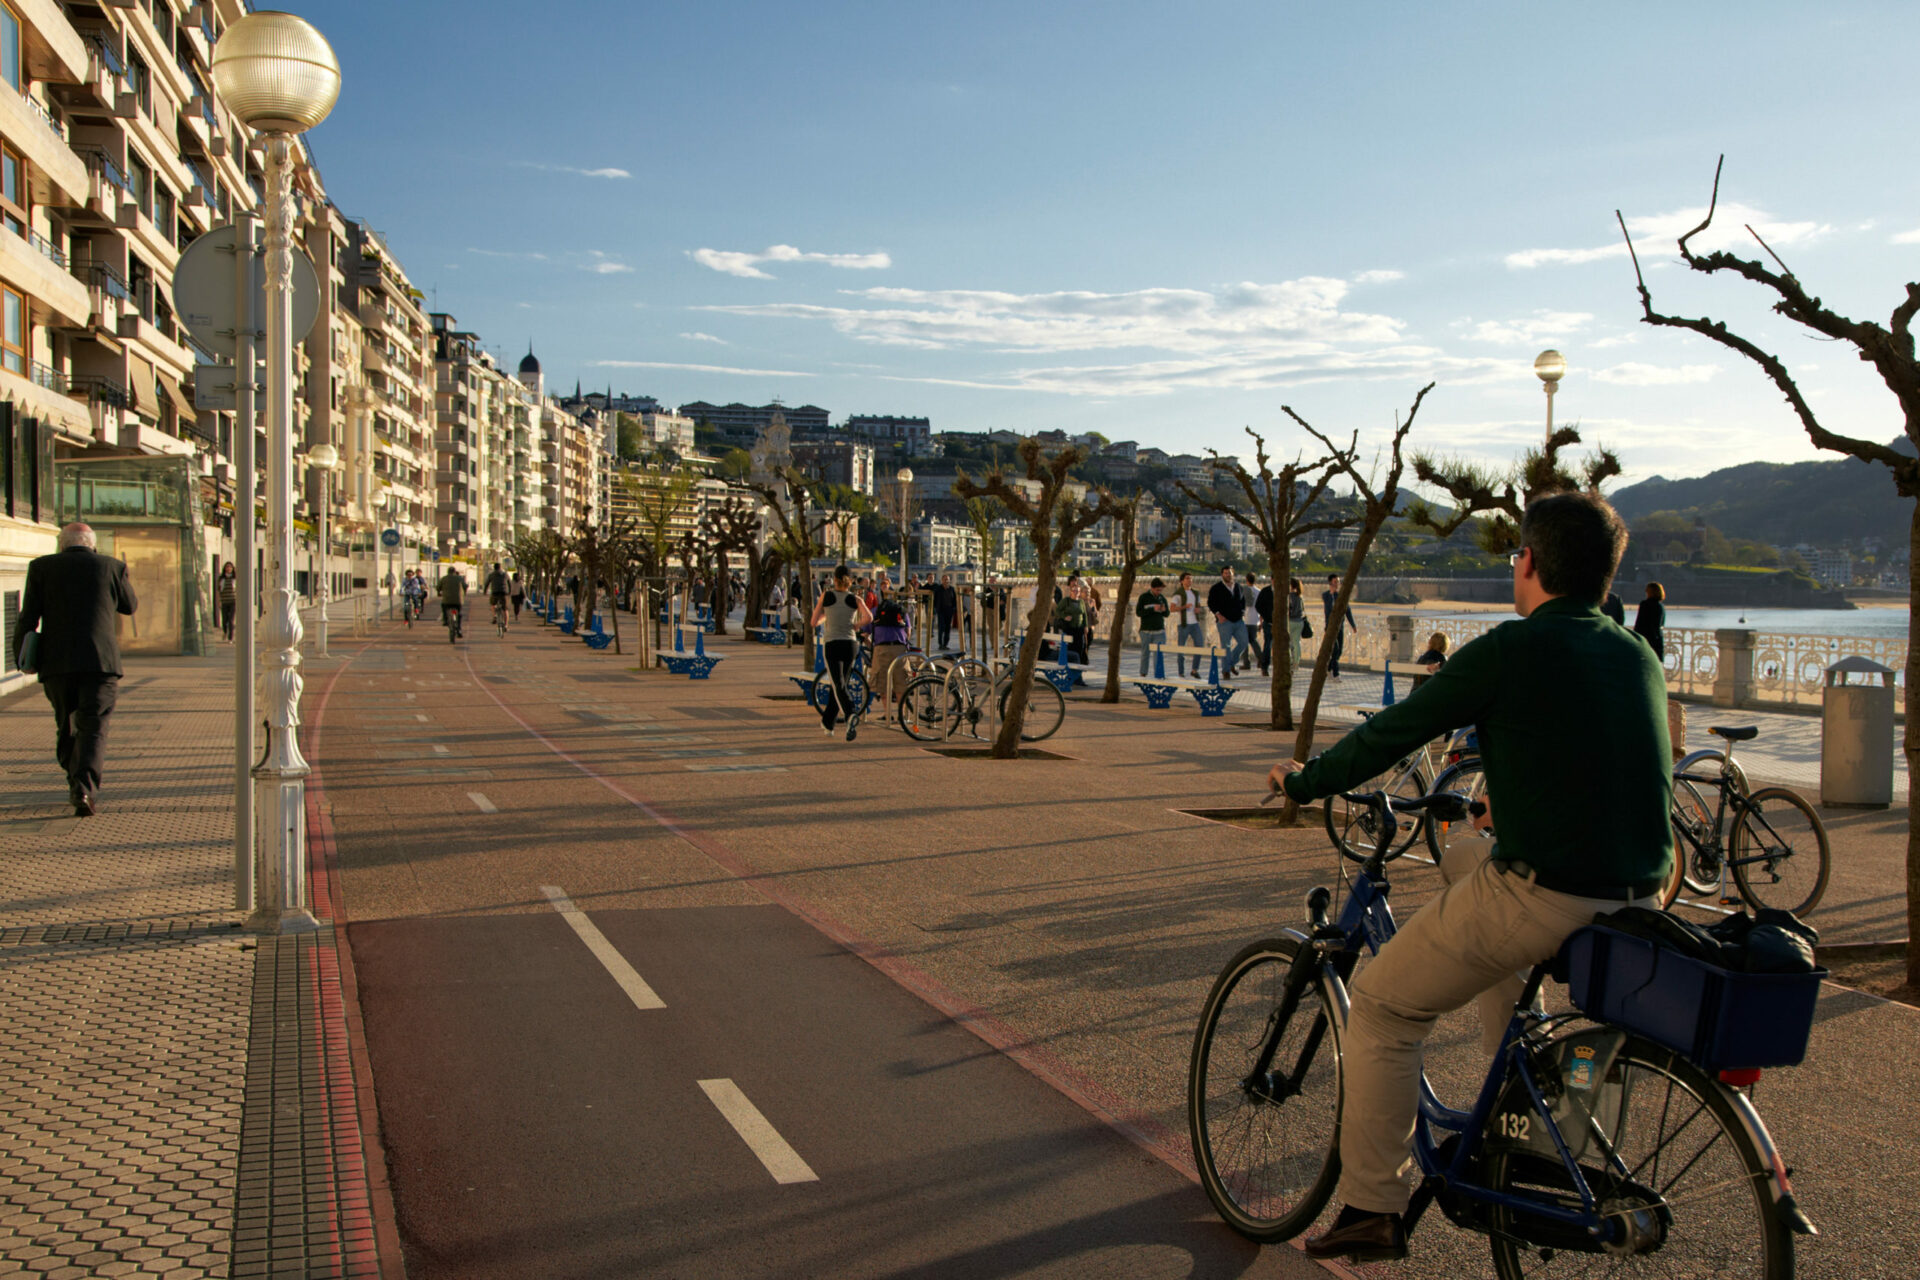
[(1771, 841), (1588, 1146), (935, 707), (1350, 826)]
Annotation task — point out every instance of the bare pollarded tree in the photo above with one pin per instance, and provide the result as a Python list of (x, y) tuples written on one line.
[(1055, 517), (1276, 504), (1134, 556), (1889, 350)]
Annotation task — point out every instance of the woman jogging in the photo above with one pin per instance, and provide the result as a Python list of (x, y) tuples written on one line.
[(839, 615)]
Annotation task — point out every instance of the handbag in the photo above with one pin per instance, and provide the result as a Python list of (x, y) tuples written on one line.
[(1306, 628), (30, 653)]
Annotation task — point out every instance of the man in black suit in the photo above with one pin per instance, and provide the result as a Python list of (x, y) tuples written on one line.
[(73, 596)]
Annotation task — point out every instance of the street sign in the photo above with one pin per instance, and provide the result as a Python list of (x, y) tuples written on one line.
[(206, 293), (436, 555), (389, 538)]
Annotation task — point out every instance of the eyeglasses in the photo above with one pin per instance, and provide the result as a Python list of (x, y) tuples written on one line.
[(1515, 557)]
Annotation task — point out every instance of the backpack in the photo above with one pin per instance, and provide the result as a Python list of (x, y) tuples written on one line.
[(890, 614)]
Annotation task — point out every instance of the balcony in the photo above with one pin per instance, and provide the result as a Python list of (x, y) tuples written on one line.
[(33, 266), (28, 125)]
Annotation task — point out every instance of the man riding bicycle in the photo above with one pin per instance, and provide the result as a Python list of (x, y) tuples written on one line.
[(1571, 714), (453, 596), (497, 591)]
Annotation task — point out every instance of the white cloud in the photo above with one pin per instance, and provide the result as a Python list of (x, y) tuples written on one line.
[(608, 172), (503, 253), (1616, 340), (1385, 275), (1663, 231), (1907, 237), (1635, 374), (605, 264), (1541, 326), (698, 368), (734, 262), (705, 337)]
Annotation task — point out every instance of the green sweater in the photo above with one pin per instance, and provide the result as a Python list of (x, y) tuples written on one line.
[(1572, 716)]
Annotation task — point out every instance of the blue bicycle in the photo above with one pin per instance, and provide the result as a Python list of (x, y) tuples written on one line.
[(1590, 1148)]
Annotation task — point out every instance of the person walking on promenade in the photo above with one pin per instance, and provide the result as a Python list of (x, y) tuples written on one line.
[(229, 597), (1263, 610), (946, 607), (1559, 664), (1152, 610), (1614, 609), (73, 597), (1229, 618), (1297, 625), (1433, 659), (1650, 621), (519, 595), (1189, 632), (1070, 619), (892, 634), (1336, 637), (839, 615), (1250, 614)]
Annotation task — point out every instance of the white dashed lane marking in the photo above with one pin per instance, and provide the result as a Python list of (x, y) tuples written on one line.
[(481, 803), (782, 1161), (631, 982)]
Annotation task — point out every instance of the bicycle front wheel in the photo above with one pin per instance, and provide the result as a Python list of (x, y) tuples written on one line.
[(1693, 1202), (1046, 711), (1355, 828), (927, 709), (1266, 1127), (1780, 856), (1470, 780)]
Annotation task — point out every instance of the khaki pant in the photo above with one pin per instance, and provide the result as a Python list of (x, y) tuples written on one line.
[(887, 677), (1475, 942)]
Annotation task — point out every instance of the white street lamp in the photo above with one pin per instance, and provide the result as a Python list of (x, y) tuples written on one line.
[(325, 457), (905, 476), (280, 77), (1550, 366)]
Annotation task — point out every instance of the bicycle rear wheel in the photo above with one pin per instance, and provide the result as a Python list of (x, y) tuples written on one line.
[(1694, 1202), (1046, 711), (927, 709), (1780, 856), (1355, 828), (1266, 1137), (1470, 780)]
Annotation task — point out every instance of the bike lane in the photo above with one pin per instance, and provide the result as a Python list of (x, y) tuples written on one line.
[(542, 1119)]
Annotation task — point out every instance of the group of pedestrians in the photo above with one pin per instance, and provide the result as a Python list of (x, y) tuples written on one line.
[(1243, 613)]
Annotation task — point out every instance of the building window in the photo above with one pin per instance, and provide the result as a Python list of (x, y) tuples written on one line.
[(140, 183), (13, 331), (10, 62), (13, 190), (163, 23), (140, 80)]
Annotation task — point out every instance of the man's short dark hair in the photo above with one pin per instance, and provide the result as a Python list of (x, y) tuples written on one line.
[(1156, 584), (1333, 577), (1576, 540)]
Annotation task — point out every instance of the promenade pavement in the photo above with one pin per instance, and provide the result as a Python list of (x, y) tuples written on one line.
[(1070, 912), (176, 1096)]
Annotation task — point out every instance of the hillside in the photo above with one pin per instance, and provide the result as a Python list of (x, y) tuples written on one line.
[(1823, 504)]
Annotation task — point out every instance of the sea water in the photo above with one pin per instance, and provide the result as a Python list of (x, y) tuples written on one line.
[(1877, 622)]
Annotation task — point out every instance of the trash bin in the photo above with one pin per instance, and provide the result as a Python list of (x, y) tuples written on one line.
[(1856, 736)]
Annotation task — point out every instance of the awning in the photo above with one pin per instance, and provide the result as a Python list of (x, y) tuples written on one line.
[(140, 377), (181, 400)]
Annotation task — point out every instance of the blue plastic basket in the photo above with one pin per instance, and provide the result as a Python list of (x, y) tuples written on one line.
[(1718, 1019)]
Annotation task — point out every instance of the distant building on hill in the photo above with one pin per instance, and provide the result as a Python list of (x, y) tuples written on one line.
[(915, 433), (1832, 568), (747, 420)]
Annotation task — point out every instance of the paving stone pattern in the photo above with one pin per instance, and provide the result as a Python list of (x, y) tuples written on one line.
[(159, 1067)]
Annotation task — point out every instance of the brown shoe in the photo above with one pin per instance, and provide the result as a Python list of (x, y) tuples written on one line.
[(82, 805), (1378, 1237)]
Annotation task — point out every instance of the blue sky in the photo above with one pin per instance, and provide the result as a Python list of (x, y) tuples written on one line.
[(1161, 223)]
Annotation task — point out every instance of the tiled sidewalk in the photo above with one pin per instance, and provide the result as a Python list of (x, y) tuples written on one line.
[(170, 1098)]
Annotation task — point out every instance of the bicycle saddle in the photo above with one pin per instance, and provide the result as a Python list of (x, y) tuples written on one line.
[(1733, 734)]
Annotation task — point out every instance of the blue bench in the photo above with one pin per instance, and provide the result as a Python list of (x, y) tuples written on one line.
[(596, 637), (1159, 688), (697, 665)]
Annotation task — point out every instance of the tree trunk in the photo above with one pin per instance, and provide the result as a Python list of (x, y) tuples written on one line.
[(1007, 745), (614, 613), (1310, 711), (1279, 581), (1117, 639), (1910, 743)]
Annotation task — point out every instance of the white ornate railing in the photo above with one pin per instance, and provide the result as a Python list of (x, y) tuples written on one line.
[(1792, 668)]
